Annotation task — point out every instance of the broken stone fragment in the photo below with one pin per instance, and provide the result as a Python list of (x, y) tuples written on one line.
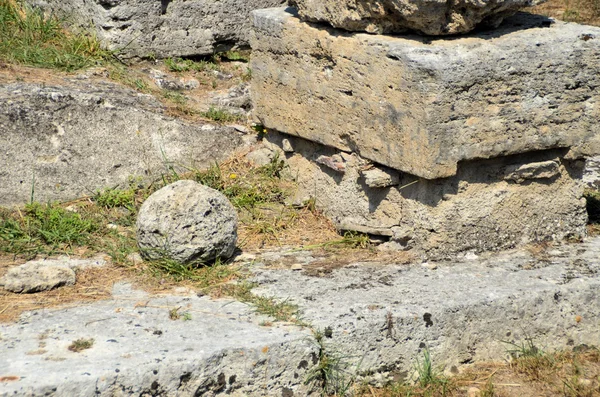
[(378, 178), (37, 276), (431, 17), (335, 162), (164, 81), (46, 274), (542, 170), (287, 146)]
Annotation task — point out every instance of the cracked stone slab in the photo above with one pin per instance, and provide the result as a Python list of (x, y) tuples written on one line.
[(422, 105), (219, 350), (382, 315)]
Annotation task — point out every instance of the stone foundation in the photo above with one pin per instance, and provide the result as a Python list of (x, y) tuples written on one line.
[(422, 105), (489, 204), (471, 143)]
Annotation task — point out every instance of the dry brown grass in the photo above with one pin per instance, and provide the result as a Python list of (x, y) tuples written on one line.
[(581, 11), (561, 374)]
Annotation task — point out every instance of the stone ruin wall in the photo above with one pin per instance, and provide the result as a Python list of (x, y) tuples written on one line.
[(473, 143)]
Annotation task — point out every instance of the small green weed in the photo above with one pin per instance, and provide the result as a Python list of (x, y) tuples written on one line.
[(174, 313), (28, 37), (220, 115), (233, 56), (529, 360), (350, 239), (428, 376), (256, 187), (331, 373), (112, 198), (80, 345), (176, 97)]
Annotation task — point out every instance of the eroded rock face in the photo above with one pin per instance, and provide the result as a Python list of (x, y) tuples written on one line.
[(186, 222), (142, 28), (488, 205), (76, 137), (431, 17)]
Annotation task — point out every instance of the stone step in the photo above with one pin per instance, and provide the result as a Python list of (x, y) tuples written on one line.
[(377, 318)]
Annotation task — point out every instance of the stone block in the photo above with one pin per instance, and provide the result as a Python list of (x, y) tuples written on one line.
[(422, 105)]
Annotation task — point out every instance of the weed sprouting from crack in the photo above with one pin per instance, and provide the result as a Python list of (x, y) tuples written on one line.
[(80, 345), (331, 374)]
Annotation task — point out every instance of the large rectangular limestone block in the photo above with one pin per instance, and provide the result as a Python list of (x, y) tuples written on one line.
[(421, 106)]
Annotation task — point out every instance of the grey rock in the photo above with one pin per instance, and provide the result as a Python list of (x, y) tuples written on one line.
[(236, 100), (221, 350), (74, 138), (421, 105), (187, 222), (431, 17), (287, 146), (335, 162), (261, 156), (46, 274), (141, 28), (37, 277), (379, 178), (166, 82), (543, 170), (382, 314)]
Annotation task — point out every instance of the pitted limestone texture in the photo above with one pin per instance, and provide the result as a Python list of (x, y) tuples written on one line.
[(381, 315), (422, 105), (142, 28), (489, 205), (219, 350), (187, 222), (430, 17), (74, 138)]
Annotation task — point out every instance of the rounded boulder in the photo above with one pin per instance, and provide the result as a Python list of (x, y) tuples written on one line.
[(187, 222)]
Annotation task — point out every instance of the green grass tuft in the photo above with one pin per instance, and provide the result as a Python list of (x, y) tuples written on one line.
[(30, 38), (220, 115)]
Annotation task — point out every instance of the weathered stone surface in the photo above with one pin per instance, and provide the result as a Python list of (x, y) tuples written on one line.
[(221, 350), (37, 277), (421, 106), (431, 17), (591, 175), (68, 140), (46, 274), (142, 28), (379, 178), (187, 222), (381, 315), (489, 205)]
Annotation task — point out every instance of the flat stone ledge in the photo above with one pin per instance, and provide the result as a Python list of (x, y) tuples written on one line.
[(421, 106), (138, 350), (381, 315)]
